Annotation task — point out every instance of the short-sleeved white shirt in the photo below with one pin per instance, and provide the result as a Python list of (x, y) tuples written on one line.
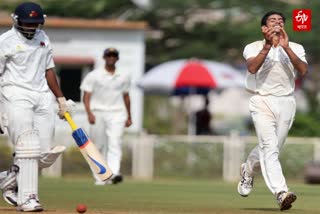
[(23, 62), (276, 75), (106, 89)]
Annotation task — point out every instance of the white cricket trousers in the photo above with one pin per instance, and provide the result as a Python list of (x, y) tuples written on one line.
[(273, 117), (29, 110), (31, 127), (106, 134)]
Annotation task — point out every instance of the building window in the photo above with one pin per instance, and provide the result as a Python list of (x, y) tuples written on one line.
[(71, 71)]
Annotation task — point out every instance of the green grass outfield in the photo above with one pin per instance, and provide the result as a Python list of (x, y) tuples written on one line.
[(166, 197)]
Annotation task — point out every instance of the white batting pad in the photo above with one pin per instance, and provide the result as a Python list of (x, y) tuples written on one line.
[(27, 179), (27, 156), (28, 145), (8, 178), (48, 158), (3, 175)]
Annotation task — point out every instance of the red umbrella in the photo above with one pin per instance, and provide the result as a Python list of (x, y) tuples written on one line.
[(181, 76), (190, 77)]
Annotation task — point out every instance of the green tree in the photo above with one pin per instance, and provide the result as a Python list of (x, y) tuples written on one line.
[(76, 8)]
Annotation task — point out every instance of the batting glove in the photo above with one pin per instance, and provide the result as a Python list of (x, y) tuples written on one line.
[(65, 106)]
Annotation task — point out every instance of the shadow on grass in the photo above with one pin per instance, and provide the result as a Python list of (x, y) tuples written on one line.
[(262, 209)]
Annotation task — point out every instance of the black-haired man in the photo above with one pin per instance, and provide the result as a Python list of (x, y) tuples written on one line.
[(272, 64), (107, 103)]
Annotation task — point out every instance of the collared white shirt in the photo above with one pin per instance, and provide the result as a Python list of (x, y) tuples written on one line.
[(23, 62), (106, 89), (276, 75)]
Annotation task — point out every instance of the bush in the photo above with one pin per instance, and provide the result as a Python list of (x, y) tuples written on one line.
[(6, 157), (305, 125)]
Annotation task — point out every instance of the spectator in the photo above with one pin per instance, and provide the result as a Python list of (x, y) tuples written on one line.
[(203, 119)]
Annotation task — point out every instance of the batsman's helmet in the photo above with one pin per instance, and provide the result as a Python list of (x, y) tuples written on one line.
[(28, 13)]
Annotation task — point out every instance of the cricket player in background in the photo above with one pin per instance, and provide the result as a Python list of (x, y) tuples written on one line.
[(107, 103), (273, 64), (27, 81)]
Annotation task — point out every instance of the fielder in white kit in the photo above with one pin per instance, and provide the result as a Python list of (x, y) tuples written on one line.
[(107, 103), (273, 65), (27, 81)]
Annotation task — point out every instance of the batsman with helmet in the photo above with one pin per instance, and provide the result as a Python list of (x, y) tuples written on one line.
[(27, 79)]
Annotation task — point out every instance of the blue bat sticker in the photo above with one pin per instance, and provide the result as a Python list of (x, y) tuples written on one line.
[(101, 167)]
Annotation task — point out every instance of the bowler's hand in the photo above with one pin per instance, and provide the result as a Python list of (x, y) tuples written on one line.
[(128, 122), (284, 39), (268, 34), (91, 118)]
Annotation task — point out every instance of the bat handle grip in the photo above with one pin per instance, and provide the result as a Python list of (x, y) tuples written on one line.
[(70, 121)]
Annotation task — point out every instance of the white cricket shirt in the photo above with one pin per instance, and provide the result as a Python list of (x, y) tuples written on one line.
[(106, 89), (23, 62), (276, 75)]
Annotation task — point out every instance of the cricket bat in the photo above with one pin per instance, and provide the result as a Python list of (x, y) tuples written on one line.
[(89, 151)]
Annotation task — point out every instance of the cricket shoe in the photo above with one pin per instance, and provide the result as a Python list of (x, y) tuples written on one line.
[(285, 199), (245, 186), (117, 179), (31, 205), (10, 196), (99, 183), (9, 186)]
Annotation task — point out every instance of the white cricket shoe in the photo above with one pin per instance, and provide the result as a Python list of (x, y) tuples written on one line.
[(31, 205), (8, 186), (285, 199), (245, 186), (99, 183), (10, 196), (115, 179)]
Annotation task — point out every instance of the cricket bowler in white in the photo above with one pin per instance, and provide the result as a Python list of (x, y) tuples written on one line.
[(273, 65), (107, 103), (27, 81)]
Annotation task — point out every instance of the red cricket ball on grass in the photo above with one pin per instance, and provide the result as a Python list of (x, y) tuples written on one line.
[(81, 208)]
